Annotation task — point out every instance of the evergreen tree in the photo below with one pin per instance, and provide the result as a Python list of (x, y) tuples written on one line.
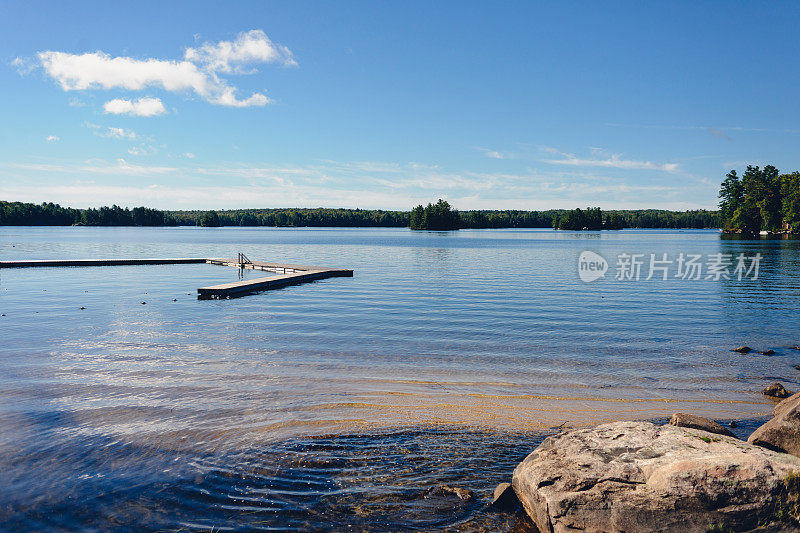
[(731, 194), (790, 191)]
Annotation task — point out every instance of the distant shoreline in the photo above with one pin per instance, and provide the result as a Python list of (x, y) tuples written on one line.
[(50, 214)]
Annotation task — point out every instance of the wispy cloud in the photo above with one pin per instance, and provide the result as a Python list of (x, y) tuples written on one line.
[(52, 139), (142, 149), (492, 154), (719, 134), (366, 184), (704, 128), (119, 133), (605, 161), (119, 167), (196, 72)]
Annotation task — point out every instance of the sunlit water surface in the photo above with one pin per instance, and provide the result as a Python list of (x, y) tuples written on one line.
[(445, 359)]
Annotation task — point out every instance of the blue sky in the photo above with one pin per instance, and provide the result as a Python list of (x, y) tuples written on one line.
[(525, 105)]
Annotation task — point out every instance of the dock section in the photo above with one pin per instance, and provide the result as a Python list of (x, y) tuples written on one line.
[(288, 274)]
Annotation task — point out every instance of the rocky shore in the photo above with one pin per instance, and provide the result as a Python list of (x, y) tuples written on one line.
[(690, 475)]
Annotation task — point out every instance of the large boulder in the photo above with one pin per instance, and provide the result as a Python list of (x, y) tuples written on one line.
[(685, 420), (782, 433), (636, 476)]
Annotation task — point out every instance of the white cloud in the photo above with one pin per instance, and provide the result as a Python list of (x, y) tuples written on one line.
[(611, 161), (232, 56), (120, 133), (189, 155), (52, 138), (196, 73), (228, 98), (143, 107)]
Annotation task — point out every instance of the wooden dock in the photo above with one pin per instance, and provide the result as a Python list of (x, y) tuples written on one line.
[(288, 274), (99, 262)]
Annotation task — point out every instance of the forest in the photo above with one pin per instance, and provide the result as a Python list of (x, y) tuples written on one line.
[(761, 200), (50, 214)]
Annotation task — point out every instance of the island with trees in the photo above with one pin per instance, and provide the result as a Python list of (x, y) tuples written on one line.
[(761, 201)]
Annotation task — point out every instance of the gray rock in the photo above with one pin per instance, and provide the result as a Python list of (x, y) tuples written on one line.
[(636, 476), (767, 352), (776, 390), (782, 433), (743, 349), (505, 498), (685, 420)]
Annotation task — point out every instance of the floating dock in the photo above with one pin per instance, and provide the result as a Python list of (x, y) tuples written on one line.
[(288, 274), (99, 262)]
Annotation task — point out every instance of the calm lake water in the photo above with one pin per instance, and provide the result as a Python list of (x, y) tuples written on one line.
[(445, 359)]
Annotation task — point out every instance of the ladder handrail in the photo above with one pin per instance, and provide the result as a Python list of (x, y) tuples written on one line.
[(243, 259)]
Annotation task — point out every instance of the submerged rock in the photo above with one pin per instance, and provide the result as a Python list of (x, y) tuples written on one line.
[(776, 390), (446, 490), (743, 349), (685, 420), (767, 352), (782, 433), (636, 476), (505, 498)]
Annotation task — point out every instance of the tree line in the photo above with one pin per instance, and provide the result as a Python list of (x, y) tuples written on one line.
[(440, 216), (762, 199), (298, 217), (50, 214), (590, 219)]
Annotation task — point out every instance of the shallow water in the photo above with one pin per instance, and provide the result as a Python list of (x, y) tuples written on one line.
[(445, 359)]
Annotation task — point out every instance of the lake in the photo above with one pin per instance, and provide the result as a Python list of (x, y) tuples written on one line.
[(445, 359)]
